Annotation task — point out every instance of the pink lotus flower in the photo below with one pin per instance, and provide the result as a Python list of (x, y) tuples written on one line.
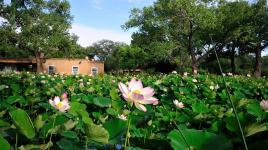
[(64, 96), (61, 105), (264, 105), (135, 93), (178, 104)]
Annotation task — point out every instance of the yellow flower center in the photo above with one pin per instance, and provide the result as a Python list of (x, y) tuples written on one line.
[(136, 95), (59, 105), (136, 92)]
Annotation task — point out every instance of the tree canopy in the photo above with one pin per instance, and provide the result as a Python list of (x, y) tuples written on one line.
[(171, 35), (198, 27)]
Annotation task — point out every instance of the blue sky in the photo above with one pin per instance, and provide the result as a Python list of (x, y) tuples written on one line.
[(94, 20)]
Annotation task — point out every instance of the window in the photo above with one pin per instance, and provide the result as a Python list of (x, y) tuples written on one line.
[(51, 69), (94, 71), (75, 70)]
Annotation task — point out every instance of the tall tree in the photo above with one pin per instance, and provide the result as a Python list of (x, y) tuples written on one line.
[(103, 48), (107, 51), (40, 25), (231, 28), (254, 37), (260, 33), (179, 21)]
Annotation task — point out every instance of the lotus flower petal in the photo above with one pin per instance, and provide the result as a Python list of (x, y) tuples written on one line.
[(135, 85), (64, 95), (140, 107), (60, 105), (151, 100), (134, 92), (51, 102), (56, 100), (147, 92), (123, 88), (264, 105), (178, 104), (122, 117), (65, 106)]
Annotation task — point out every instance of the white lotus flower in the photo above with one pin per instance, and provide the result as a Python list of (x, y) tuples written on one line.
[(211, 87), (229, 74), (61, 105), (122, 117), (178, 104), (217, 87)]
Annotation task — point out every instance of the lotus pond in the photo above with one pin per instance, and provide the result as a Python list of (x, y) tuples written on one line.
[(134, 112)]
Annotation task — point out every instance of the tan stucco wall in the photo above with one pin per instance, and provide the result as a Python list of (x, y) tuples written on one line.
[(64, 65)]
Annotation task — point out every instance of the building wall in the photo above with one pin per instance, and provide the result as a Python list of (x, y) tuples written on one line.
[(64, 65)]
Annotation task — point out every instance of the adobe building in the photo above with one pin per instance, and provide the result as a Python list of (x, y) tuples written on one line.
[(73, 66), (55, 65)]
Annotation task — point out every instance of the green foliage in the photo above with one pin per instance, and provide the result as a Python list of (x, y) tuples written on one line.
[(254, 109), (199, 140), (102, 101), (70, 135), (38, 26), (68, 145), (255, 128), (23, 122), (116, 129), (104, 49), (92, 121), (78, 109), (4, 144), (196, 29), (131, 57), (172, 28), (97, 133)]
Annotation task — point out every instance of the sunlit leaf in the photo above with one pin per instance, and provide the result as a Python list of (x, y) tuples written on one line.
[(4, 144), (23, 122), (102, 101), (97, 133), (116, 128), (255, 128), (198, 139)]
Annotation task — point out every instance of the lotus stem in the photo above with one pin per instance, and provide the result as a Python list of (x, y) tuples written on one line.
[(128, 133), (232, 104), (175, 123), (51, 131), (86, 144), (16, 144)]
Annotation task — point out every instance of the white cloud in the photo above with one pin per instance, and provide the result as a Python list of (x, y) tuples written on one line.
[(88, 35), (96, 4)]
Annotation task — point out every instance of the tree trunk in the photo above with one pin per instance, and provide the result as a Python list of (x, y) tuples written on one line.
[(190, 49), (233, 59), (194, 68), (257, 67), (39, 63)]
